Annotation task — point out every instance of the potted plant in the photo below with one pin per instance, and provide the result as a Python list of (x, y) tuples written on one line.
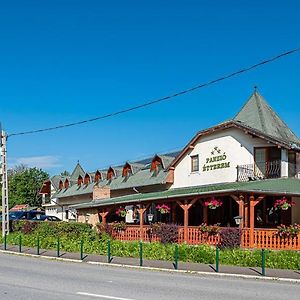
[(121, 212), (213, 203), (283, 203), (284, 231), (209, 229), (163, 209)]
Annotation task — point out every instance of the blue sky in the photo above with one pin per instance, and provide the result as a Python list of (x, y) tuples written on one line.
[(63, 61)]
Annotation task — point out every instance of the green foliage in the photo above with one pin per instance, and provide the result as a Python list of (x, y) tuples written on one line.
[(24, 185), (71, 233)]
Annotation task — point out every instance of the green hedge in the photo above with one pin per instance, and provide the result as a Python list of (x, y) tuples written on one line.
[(71, 233)]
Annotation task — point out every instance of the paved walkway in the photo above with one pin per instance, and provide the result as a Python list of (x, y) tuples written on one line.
[(197, 267)]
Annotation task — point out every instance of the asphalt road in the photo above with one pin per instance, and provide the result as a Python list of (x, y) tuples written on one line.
[(36, 278)]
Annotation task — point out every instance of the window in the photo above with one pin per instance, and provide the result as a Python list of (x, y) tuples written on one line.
[(195, 163)]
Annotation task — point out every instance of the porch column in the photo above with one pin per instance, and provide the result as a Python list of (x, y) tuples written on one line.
[(246, 212), (186, 206), (253, 203), (240, 201), (141, 211), (103, 215)]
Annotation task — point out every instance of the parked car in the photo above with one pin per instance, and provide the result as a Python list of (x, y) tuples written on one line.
[(46, 218), (24, 215)]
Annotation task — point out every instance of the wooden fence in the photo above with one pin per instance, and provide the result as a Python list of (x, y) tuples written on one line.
[(263, 238)]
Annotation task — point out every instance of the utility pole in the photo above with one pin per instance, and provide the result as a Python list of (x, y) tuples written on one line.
[(5, 214)]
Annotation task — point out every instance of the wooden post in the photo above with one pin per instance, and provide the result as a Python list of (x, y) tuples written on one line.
[(246, 212), (186, 206), (141, 211), (253, 203), (240, 201), (103, 216)]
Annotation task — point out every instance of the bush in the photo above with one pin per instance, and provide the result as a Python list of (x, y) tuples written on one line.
[(230, 238), (167, 233)]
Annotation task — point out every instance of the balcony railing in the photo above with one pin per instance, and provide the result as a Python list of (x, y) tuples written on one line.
[(263, 170)]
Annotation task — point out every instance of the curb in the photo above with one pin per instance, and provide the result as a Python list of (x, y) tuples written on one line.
[(200, 273)]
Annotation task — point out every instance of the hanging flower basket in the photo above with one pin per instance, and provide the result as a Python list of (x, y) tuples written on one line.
[(121, 212), (283, 203), (213, 203), (163, 209)]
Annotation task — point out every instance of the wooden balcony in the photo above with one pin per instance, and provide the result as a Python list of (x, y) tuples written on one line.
[(263, 238)]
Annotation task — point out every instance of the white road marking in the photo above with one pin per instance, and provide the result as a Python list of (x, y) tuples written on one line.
[(102, 296)]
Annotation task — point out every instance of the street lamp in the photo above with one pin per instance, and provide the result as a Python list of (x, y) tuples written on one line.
[(150, 218), (238, 220)]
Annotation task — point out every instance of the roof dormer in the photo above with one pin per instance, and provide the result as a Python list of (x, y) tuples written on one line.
[(110, 173), (60, 185), (87, 179), (97, 177), (79, 180), (156, 164), (66, 183), (127, 170)]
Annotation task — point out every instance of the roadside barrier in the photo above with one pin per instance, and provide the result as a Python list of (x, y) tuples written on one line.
[(141, 253), (81, 250), (18, 243), (38, 245), (58, 247), (263, 262), (176, 257), (217, 259), (109, 257)]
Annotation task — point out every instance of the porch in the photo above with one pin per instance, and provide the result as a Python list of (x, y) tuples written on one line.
[(262, 238), (254, 203)]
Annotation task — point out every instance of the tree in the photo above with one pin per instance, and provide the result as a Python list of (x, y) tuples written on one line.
[(24, 185), (65, 173)]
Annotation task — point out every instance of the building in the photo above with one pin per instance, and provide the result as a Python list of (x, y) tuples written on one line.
[(245, 164)]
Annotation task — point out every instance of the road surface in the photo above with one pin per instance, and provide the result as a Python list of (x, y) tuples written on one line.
[(35, 278)]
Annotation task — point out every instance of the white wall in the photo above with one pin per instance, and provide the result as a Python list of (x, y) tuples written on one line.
[(238, 148)]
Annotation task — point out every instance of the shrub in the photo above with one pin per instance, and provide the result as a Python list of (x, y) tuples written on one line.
[(104, 229), (167, 233), (209, 229), (230, 237), (28, 227)]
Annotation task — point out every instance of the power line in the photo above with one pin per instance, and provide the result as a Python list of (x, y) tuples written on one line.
[(163, 98)]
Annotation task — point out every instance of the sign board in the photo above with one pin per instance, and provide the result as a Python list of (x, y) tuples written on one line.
[(217, 160)]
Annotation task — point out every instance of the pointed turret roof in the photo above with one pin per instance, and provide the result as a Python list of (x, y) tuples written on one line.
[(77, 171), (258, 114)]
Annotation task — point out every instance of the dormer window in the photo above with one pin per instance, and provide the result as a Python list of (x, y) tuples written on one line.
[(60, 185), (110, 174), (127, 171), (67, 183), (97, 177), (79, 180), (87, 179), (156, 164)]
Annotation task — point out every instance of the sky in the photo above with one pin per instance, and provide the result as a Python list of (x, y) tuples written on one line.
[(66, 60)]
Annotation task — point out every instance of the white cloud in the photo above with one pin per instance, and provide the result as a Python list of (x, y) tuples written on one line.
[(43, 162)]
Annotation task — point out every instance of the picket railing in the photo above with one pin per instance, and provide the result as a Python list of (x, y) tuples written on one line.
[(263, 238)]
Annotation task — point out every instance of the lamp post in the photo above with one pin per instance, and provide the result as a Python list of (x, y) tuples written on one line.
[(238, 220), (150, 219)]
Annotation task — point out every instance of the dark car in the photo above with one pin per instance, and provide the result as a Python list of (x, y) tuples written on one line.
[(46, 218), (24, 215)]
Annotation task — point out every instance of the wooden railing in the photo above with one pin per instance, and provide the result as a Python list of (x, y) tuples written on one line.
[(269, 239), (263, 238)]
